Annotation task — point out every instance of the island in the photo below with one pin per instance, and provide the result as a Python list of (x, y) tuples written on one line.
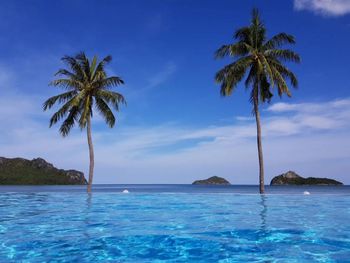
[(19, 171), (214, 180), (292, 178)]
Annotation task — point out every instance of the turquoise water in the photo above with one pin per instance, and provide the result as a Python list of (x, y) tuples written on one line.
[(174, 224)]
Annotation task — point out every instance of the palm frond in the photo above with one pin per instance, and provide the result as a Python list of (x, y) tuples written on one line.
[(104, 62), (72, 103), (109, 82), (257, 30), (232, 74), (72, 63), (279, 40), (285, 72), (268, 70), (67, 84), (255, 20), (66, 73), (105, 111), (100, 71), (69, 122), (283, 54), (237, 49), (84, 63), (243, 34), (111, 97), (281, 84), (93, 67), (59, 98)]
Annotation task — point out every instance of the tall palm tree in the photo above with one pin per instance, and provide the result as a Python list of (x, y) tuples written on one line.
[(87, 86), (261, 61)]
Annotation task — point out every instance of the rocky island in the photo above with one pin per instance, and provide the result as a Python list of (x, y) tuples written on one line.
[(292, 178), (19, 171), (214, 180)]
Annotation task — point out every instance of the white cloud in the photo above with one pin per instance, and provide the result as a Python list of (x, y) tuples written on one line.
[(163, 75), (325, 7), (305, 116), (156, 80), (309, 107), (311, 138), (244, 118), (282, 107), (5, 78)]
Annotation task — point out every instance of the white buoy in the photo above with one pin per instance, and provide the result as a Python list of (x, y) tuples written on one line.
[(306, 193), (125, 191)]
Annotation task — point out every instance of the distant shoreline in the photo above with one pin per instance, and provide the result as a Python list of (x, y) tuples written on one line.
[(189, 184)]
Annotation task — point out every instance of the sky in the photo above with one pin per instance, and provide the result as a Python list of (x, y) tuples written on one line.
[(176, 127)]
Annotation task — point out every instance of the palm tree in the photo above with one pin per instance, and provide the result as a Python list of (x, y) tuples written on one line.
[(87, 86), (261, 61)]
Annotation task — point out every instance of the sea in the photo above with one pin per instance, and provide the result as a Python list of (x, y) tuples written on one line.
[(174, 223)]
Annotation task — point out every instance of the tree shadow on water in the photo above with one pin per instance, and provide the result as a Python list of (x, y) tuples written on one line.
[(263, 214)]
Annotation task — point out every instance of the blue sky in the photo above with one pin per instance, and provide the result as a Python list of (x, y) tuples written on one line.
[(176, 127)]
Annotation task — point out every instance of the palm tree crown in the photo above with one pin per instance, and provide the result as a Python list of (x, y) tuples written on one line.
[(87, 86), (258, 58)]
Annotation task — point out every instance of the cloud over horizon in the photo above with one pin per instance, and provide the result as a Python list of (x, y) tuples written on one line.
[(296, 136), (324, 7)]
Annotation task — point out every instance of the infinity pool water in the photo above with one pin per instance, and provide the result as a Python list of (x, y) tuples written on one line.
[(164, 224)]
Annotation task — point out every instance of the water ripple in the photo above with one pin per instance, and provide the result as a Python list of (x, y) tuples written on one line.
[(110, 227)]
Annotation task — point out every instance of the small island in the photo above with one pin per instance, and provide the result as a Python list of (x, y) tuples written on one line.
[(214, 180), (19, 171), (292, 178)]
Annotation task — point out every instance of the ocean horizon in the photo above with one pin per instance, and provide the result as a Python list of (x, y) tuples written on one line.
[(182, 188)]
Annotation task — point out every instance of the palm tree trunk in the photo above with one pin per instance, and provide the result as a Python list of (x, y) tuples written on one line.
[(91, 154), (260, 151)]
